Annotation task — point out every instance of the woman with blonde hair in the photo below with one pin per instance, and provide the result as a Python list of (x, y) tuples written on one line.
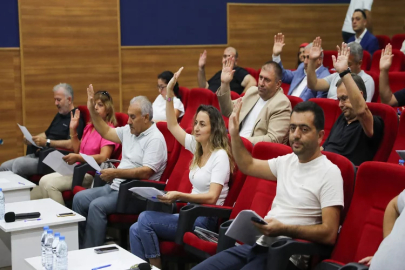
[(209, 175), (52, 185)]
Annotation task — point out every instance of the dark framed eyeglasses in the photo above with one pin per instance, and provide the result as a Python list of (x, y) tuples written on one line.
[(105, 93)]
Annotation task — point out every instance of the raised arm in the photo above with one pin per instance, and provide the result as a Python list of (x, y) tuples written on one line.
[(288, 75), (202, 81), (224, 92), (100, 125), (74, 123), (171, 117), (385, 63), (246, 163), (313, 82), (359, 105)]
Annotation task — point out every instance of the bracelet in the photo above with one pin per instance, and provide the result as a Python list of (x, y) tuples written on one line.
[(71, 136)]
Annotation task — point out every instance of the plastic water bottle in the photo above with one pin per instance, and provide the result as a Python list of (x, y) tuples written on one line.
[(2, 205), (54, 245), (62, 254), (48, 250), (401, 162), (46, 228)]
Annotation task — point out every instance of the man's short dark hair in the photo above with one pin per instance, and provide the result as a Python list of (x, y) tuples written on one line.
[(309, 106), (359, 82), (362, 12), (277, 69)]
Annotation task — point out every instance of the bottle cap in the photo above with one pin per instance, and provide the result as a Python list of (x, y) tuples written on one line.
[(401, 161), (57, 234), (50, 231), (46, 228), (61, 237), (1, 189)]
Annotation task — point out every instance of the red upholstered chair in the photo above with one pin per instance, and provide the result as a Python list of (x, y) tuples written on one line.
[(397, 41), (390, 119), (294, 101), (253, 72), (365, 65), (399, 143), (234, 95), (84, 113), (184, 93), (327, 58), (397, 61), (331, 111), (256, 194), (383, 41), (377, 184), (285, 87)]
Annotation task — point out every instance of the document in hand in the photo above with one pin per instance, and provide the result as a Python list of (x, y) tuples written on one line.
[(27, 135), (147, 192), (55, 161), (401, 153), (242, 228), (91, 161)]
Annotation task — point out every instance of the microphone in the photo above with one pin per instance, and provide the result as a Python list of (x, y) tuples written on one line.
[(11, 216), (144, 266)]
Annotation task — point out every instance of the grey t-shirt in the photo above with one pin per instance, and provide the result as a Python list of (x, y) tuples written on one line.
[(391, 253)]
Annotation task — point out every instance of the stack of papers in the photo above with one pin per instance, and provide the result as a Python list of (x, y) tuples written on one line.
[(206, 235), (242, 228), (27, 135), (147, 192)]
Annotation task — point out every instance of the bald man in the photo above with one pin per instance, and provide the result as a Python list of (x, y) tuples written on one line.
[(242, 80)]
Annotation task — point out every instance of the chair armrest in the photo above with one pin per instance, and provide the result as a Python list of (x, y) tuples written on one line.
[(189, 213), (98, 182), (354, 266), (281, 250), (157, 206), (79, 173), (225, 242)]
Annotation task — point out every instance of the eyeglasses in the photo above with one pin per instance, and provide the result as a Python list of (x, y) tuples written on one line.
[(105, 93), (161, 87)]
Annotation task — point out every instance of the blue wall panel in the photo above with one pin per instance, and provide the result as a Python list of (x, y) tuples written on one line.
[(9, 35)]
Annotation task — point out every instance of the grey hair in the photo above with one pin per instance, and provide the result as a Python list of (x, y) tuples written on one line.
[(356, 50), (67, 87), (309, 46), (144, 103)]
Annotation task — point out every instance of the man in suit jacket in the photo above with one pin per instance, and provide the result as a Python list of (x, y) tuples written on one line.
[(265, 112), (367, 40), (298, 78)]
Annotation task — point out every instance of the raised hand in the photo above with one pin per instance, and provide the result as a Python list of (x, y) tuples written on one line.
[(227, 70), (74, 120), (341, 63), (386, 58), (278, 44), (234, 118), (316, 49), (203, 60), (90, 97), (172, 83)]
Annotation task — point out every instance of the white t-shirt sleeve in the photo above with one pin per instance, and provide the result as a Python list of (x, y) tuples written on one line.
[(331, 193), (220, 170), (401, 202), (190, 143), (370, 87), (367, 4), (155, 154), (120, 132), (329, 79), (178, 105), (273, 163)]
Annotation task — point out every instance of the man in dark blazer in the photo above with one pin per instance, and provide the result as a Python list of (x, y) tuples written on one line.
[(367, 40)]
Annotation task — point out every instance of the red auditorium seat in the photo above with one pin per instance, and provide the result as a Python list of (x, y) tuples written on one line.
[(397, 61), (253, 72), (397, 41), (234, 95), (383, 41), (184, 93), (365, 65), (377, 184), (294, 101), (327, 58), (399, 143), (286, 88)]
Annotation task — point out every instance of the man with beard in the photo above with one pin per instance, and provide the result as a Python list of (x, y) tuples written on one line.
[(144, 156), (265, 113), (56, 136), (356, 134), (309, 194)]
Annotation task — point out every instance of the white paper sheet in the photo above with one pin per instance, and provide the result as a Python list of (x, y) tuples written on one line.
[(91, 161), (55, 161), (147, 192), (242, 228), (27, 135)]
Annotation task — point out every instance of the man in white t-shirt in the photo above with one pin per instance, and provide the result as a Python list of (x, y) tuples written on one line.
[(266, 110), (309, 194), (329, 83), (144, 156), (347, 29)]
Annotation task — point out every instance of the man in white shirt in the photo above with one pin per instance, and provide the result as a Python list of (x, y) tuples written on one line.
[(309, 194), (329, 83), (144, 156), (347, 30), (266, 110)]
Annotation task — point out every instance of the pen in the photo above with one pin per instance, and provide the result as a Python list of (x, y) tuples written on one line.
[(104, 266), (36, 219), (21, 183), (97, 172)]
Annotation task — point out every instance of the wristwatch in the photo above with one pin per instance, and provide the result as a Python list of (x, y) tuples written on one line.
[(344, 72), (48, 142), (169, 98)]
